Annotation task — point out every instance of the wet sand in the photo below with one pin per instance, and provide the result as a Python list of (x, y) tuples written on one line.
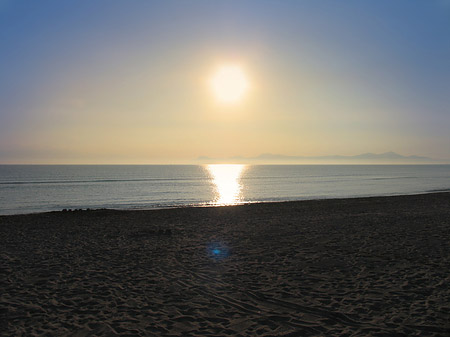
[(346, 267)]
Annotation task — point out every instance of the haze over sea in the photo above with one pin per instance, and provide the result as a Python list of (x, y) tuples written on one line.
[(29, 188)]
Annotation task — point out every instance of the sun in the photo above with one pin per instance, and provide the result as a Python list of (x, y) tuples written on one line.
[(229, 84)]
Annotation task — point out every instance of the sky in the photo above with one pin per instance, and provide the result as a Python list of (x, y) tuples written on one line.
[(129, 82)]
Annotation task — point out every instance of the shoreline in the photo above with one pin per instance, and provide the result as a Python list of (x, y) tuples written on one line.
[(208, 205), (372, 266)]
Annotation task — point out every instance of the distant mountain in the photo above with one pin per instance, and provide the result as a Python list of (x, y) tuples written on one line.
[(365, 158)]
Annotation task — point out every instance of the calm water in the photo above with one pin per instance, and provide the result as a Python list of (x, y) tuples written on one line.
[(26, 189)]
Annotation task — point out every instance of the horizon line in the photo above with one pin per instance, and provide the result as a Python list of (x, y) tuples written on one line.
[(222, 163)]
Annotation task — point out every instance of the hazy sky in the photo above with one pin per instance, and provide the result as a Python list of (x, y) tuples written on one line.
[(128, 81)]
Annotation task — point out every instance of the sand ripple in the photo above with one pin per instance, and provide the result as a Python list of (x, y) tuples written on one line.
[(357, 267)]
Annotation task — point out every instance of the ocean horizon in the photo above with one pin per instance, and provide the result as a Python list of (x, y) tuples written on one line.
[(42, 188)]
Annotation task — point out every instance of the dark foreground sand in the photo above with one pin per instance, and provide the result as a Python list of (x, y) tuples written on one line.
[(354, 267)]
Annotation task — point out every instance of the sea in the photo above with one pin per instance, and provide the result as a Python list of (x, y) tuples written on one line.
[(42, 188)]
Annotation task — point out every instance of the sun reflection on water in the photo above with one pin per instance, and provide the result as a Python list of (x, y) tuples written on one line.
[(226, 178)]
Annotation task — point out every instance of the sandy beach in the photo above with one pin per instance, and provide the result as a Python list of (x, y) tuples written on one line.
[(346, 267)]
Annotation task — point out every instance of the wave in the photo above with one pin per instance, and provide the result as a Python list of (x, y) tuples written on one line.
[(439, 190), (95, 181)]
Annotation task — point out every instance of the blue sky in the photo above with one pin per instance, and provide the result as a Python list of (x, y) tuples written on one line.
[(122, 81)]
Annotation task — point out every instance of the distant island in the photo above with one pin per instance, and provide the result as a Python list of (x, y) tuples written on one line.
[(365, 158)]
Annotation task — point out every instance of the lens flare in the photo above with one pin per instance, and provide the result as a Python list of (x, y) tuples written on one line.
[(218, 250)]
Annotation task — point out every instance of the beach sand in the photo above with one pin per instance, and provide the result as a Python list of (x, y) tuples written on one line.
[(345, 267)]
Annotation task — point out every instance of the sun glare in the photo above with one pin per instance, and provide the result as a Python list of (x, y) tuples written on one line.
[(229, 84), (227, 181)]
